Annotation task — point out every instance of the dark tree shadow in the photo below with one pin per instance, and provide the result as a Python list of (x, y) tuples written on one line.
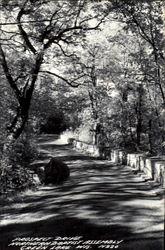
[(100, 200)]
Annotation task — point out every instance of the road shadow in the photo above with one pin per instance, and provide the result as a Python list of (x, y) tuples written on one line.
[(100, 200)]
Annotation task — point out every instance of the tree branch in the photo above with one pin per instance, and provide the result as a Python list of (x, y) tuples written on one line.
[(8, 75), (64, 53), (68, 29), (23, 32), (62, 78), (34, 75)]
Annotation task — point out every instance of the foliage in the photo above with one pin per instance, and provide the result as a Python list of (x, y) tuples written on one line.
[(117, 73), (23, 151), (17, 179), (18, 176), (40, 28), (130, 109)]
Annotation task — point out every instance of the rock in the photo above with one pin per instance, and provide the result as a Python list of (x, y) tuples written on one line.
[(55, 172)]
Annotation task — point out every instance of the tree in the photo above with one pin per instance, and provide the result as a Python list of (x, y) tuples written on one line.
[(145, 18), (141, 78), (30, 31)]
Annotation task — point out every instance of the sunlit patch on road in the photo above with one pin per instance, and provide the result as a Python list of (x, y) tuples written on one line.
[(97, 193)]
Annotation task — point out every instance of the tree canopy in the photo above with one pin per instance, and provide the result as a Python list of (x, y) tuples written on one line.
[(97, 66)]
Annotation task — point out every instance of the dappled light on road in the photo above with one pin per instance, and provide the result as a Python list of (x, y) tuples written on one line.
[(99, 197)]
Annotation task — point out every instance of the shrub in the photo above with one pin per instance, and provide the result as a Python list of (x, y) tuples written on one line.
[(23, 152), (18, 175)]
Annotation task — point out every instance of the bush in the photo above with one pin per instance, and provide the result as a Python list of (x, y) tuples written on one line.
[(18, 175), (17, 178), (23, 152)]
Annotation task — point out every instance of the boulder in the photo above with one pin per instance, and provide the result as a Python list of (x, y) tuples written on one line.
[(55, 172)]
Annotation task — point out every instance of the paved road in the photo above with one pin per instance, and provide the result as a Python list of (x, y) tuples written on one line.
[(100, 201)]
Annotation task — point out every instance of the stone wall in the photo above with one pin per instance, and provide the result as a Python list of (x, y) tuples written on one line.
[(152, 167), (85, 147)]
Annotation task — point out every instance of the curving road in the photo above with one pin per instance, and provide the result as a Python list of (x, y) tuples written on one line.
[(100, 201)]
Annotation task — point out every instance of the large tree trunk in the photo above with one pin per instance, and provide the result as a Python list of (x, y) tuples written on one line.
[(138, 132), (150, 136), (139, 116), (19, 121), (14, 131)]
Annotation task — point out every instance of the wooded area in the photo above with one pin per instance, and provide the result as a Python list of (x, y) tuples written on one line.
[(93, 68)]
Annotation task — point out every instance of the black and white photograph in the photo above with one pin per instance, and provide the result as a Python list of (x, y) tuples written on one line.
[(82, 124)]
